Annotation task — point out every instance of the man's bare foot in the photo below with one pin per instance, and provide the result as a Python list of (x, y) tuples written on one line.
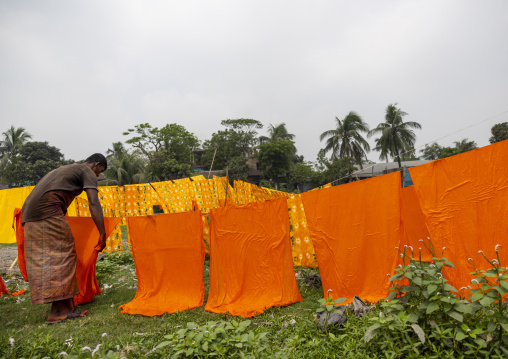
[(60, 309)]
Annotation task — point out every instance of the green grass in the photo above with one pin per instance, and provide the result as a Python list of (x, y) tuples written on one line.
[(280, 332), (7, 245), (135, 334)]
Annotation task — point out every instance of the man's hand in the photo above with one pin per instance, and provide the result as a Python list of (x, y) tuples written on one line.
[(102, 243)]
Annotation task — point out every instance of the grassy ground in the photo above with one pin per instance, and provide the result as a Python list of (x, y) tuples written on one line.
[(134, 334), (284, 332)]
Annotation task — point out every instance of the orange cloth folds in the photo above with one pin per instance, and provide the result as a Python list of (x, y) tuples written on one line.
[(251, 267), (3, 289), (465, 202), (20, 242), (169, 256), (355, 228), (86, 236), (413, 223)]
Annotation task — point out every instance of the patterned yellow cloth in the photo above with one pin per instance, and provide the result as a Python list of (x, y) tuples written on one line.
[(303, 251)]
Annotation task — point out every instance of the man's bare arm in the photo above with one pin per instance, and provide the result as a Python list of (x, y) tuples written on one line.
[(96, 212)]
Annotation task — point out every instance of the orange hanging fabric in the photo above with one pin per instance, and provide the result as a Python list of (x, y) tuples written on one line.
[(413, 223), (3, 289), (169, 256), (355, 228), (85, 235), (20, 242), (465, 202), (251, 267)]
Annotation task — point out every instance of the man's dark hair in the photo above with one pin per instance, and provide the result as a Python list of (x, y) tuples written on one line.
[(97, 157)]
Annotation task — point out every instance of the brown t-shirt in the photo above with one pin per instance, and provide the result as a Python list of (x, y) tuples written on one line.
[(55, 191)]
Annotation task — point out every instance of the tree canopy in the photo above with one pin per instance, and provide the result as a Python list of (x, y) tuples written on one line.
[(499, 132), (32, 162)]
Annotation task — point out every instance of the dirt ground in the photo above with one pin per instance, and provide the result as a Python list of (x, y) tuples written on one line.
[(7, 257)]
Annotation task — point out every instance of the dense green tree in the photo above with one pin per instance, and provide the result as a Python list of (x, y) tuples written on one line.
[(245, 130), (32, 162), (345, 140), (396, 136), (275, 159), (338, 170), (12, 141), (231, 148), (169, 150), (431, 152), (124, 167), (460, 147), (300, 173), (499, 132)]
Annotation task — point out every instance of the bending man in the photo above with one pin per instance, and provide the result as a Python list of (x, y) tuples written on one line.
[(49, 245)]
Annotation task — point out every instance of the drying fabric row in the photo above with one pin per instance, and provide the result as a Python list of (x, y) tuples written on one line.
[(172, 197), (251, 266), (355, 229)]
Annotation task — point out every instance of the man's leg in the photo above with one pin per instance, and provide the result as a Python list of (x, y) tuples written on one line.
[(60, 309)]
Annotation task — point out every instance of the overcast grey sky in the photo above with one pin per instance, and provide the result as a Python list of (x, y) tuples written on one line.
[(79, 73)]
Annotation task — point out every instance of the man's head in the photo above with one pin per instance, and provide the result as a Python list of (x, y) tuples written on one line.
[(98, 163)]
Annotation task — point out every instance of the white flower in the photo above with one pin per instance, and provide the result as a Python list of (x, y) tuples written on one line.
[(396, 247), (470, 259), (87, 348), (117, 347), (474, 281), (411, 248), (432, 266), (11, 342), (96, 349), (444, 248), (468, 330), (498, 245), (420, 240), (495, 261), (402, 255), (61, 354), (480, 252), (380, 314), (104, 334)]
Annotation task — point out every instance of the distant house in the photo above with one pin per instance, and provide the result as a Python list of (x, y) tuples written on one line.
[(379, 169)]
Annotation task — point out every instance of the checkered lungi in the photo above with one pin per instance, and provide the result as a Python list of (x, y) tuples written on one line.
[(50, 260)]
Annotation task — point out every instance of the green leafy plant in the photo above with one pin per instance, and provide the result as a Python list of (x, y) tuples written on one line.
[(224, 339), (424, 313), (490, 286), (329, 306)]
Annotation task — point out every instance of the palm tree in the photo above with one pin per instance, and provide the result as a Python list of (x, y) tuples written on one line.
[(464, 145), (14, 138), (124, 167), (431, 152), (277, 133), (345, 140), (396, 135)]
